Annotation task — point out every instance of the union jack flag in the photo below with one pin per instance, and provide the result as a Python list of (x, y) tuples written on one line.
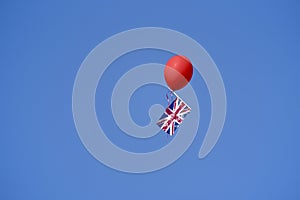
[(173, 116)]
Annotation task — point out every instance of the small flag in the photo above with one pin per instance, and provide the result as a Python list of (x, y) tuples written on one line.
[(173, 115)]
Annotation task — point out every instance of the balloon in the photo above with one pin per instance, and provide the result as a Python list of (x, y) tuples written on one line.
[(178, 72)]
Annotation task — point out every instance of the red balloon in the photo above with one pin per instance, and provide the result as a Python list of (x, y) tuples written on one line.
[(178, 72)]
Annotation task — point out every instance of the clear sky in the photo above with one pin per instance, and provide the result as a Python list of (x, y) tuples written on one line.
[(255, 45)]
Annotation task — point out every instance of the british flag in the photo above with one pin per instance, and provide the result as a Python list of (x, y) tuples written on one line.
[(173, 116)]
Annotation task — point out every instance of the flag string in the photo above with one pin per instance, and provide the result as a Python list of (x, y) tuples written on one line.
[(169, 93)]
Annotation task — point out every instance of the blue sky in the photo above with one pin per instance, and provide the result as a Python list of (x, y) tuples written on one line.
[(256, 47)]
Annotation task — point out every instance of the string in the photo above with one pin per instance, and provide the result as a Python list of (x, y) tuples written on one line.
[(169, 93)]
